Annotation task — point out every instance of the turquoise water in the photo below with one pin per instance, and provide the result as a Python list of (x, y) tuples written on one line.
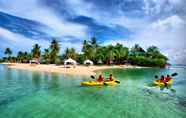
[(26, 94)]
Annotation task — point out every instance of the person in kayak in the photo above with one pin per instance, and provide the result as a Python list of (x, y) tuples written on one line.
[(168, 78), (110, 77), (100, 78), (162, 78)]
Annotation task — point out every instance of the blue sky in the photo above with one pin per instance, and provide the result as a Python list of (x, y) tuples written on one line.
[(146, 22)]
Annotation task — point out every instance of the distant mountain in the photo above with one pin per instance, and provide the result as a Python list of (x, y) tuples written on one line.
[(28, 28)]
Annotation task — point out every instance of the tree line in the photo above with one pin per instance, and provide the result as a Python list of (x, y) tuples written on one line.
[(99, 54)]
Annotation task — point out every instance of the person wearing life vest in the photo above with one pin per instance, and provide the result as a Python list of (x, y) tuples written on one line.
[(168, 78), (162, 78), (110, 78), (100, 78)]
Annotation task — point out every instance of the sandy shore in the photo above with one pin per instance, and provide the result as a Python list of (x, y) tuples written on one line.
[(78, 70)]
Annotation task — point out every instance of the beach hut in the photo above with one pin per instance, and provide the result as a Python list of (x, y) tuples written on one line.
[(88, 62), (70, 62)]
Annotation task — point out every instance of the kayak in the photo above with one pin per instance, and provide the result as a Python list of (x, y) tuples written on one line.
[(158, 83), (96, 83)]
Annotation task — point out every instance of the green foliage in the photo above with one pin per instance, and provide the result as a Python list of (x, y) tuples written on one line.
[(70, 53), (8, 52), (20, 56), (121, 53), (137, 51), (54, 50), (36, 52), (109, 54), (80, 58), (46, 56)]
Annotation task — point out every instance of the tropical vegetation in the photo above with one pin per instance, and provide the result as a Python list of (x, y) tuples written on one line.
[(99, 54)]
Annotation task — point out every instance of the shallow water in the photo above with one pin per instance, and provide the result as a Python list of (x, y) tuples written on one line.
[(26, 94)]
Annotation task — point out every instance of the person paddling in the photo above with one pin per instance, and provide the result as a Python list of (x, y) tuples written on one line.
[(162, 78), (168, 78), (100, 78), (110, 77)]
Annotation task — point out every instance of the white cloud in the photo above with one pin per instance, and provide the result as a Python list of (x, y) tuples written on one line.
[(168, 34), (155, 7), (33, 10), (18, 42)]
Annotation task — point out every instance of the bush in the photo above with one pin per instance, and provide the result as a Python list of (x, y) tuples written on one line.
[(146, 61)]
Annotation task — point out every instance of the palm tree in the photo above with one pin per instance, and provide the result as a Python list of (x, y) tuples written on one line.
[(36, 52), (137, 51), (26, 57), (20, 56), (54, 47), (94, 47), (110, 54), (87, 50), (153, 52), (46, 56), (121, 53), (8, 52), (70, 53)]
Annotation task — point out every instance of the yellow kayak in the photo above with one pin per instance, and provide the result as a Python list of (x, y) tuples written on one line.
[(158, 83), (96, 83)]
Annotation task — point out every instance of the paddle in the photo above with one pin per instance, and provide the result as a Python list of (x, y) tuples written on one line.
[(93, 77), (117, 81), (173, 74), (156, 76)]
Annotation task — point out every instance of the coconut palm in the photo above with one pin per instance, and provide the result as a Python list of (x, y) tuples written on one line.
[(94, 47), (153, 52), (46, 56), (121, 53), (8, 52), (70, 53), (36, 52), (20, 56), (110, 54), (25, 57), (87, 50), (54, 47), (137, 51), (100, 55)]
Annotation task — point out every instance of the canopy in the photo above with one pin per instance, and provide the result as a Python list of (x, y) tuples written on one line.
[(70, 61), (88, 62)]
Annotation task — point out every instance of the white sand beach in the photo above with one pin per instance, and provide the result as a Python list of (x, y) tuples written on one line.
[(77, 70)]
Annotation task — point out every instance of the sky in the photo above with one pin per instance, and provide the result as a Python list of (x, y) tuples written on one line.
[(145, 22)]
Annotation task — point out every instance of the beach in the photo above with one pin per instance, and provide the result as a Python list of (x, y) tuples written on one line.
[(77, 70)]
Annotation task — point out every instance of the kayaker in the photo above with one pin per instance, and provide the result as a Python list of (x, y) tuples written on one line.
[(162, 78), (100, 78), (168, 78), (110, 77)]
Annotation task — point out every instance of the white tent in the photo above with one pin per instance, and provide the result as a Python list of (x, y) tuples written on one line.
[(70, 62), (88, 62)]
